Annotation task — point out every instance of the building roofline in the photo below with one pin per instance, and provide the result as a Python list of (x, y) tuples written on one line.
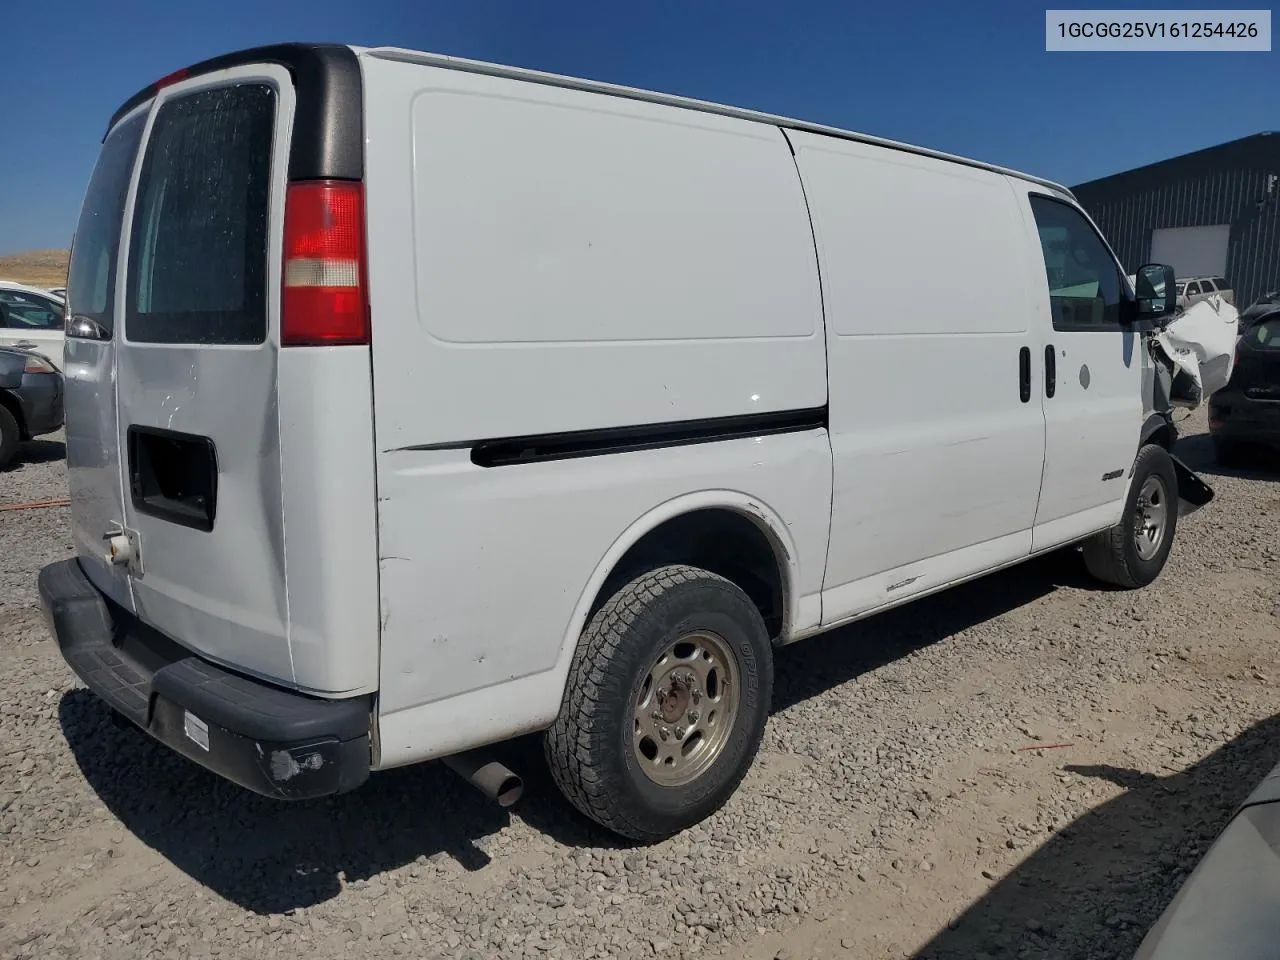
[(1156, 164)]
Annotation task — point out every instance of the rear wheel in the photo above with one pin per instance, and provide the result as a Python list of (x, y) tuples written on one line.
[(666, 704), (10, 437), (1133, 552)]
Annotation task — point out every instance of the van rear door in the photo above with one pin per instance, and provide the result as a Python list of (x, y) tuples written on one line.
[(196, 373), (93, 461)]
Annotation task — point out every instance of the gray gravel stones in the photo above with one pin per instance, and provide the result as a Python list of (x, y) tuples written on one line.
[(909, 798)]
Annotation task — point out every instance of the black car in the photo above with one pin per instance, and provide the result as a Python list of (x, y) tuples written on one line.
[(1247, 410), (31, 399)]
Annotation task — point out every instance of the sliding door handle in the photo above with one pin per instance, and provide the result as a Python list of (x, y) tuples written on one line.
[(1024, 374), (1050, 371)]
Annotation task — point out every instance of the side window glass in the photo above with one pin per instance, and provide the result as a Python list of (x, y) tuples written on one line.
[(91, 276), (1084, 280), (1193, 288), (32, 313)]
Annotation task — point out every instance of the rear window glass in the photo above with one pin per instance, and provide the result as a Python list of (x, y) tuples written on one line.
[(1265, 335), (1221, 284), (91, 275), (198, 253)]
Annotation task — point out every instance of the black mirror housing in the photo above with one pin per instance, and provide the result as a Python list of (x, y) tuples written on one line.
[(1155, 287)]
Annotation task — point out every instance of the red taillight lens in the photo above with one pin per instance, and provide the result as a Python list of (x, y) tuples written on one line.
[(323, 302), (169, 79)]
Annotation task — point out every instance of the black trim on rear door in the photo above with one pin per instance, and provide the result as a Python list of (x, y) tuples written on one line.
[(173, 476), (593, 443), (328, 121)]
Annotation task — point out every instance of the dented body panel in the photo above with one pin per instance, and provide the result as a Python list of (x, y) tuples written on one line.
[(1200, 347)]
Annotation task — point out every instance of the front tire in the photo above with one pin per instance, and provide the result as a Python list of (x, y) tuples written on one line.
[(666, 704), (1133, 552)]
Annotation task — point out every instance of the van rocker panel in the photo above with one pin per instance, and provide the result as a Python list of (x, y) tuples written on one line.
[(274, 742)]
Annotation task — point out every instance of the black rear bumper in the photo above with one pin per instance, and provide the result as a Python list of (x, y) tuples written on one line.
[(272, 741), (1234, 416), (41, 396)]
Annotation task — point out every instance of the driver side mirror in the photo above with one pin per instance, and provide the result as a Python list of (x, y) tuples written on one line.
[(1156, 289)]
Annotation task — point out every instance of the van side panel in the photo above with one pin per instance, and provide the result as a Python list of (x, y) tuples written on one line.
[(330, 518), (577, 261), (570, 261), (927, 307), (482, 570)]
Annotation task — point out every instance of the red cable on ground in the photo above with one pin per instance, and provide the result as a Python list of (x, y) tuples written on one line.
[(37, 504)]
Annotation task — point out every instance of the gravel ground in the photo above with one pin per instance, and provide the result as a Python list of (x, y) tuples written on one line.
[(1026, 766)]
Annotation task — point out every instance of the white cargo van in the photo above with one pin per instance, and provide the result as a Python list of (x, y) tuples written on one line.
[(415, 404)]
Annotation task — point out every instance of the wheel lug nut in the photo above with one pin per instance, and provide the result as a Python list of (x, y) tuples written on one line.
[(664, 732), (697, 695), (679, 733), (693, 716)]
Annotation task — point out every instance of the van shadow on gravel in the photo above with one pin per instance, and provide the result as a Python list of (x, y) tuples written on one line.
[(1097, 886), (270, 856), (817, 664)]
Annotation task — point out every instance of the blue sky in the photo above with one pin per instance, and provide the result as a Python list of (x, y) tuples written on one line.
[(959, 77)]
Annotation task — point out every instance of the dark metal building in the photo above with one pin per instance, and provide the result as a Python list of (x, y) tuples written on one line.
[(1215, 212)]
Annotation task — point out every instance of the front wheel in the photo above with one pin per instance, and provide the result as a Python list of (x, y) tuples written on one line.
[(1133, 552), (666, 704)]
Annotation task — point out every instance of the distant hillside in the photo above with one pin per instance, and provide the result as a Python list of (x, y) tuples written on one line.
[(40, 268)]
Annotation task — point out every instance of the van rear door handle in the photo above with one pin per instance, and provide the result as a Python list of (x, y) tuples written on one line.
[(1050, 371), (1024, 374)]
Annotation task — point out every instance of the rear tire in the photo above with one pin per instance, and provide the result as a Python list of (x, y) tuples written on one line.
[(10, 437), (636, 746), (1133, 552)]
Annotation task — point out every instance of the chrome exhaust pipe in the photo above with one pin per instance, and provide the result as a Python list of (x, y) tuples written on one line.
[(482, 771)]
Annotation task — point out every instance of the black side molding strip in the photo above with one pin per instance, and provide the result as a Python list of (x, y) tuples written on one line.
[(539, 448), (328, 124)]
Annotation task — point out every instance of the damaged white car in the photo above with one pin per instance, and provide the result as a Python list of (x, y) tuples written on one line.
[(1192, 357)]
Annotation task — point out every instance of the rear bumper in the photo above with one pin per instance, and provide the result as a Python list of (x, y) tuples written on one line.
[(1236, 416), (41, 396), (274, 742)]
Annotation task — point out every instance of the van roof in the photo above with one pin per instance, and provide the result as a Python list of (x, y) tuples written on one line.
[(281, 53), (634, 93)]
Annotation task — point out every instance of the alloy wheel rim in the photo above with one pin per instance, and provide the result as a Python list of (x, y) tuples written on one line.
[(685, 709), (1152, 517)]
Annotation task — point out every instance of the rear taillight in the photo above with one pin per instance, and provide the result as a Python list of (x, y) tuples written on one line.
[(36, 364), (169, 79), (324, 301)]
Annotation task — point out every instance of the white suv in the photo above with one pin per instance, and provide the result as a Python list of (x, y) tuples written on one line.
[(1194, 289)]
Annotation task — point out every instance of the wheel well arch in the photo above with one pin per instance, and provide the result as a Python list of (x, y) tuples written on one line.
[(10, 403), (730, 534), (1158, 429)]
